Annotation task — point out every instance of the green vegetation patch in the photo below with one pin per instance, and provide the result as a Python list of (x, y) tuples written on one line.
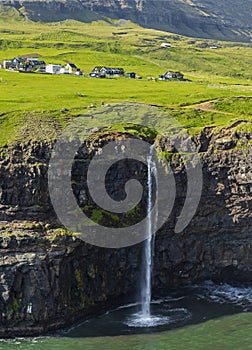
[(31, 105), (237, 105)]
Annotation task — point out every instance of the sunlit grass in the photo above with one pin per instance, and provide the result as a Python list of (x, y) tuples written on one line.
[(222, 74)]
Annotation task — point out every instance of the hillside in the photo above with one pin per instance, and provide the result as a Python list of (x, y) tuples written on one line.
[(217, 76), (223, 20)]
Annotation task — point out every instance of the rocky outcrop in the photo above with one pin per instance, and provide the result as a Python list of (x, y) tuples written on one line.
[(50, 278), (49, 281), (225, 20)]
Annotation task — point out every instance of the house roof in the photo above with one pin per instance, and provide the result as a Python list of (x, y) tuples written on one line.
[(19, 59), (72, 65)]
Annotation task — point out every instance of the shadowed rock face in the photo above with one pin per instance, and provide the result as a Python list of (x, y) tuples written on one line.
[(49, 279), (225, 19)]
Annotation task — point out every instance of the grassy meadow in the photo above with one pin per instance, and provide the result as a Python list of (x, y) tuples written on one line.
[(222, 75)]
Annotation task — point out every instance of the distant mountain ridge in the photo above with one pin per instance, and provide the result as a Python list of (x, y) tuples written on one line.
[(223, 19)]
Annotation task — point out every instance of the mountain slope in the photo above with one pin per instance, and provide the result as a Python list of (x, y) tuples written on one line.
[(225, 19)]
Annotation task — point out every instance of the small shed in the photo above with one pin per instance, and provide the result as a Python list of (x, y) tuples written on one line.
[(78, 72), (7, 64), (130, 75)]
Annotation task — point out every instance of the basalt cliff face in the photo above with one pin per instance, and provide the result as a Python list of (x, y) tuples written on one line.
[(50, 279), (225, 19)]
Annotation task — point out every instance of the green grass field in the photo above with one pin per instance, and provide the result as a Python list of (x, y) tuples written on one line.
[(215, 75)]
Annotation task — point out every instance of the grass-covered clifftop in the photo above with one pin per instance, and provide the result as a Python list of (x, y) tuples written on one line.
[(218, 89)]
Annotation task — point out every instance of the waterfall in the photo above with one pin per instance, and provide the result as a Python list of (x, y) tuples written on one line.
[(148, 252), (145, 317)]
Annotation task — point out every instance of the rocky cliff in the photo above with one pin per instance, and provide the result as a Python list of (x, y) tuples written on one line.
[(224, 20), (49, 278)]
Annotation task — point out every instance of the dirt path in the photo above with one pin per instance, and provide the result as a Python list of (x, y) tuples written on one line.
[(209, 107)]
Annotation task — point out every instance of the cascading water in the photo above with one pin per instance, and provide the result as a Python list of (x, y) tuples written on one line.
[(149, 242), (145, 318)]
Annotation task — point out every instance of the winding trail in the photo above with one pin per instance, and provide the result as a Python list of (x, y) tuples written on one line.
[(209, 107)]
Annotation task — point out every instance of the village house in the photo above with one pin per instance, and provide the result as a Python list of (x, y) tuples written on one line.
[(53, 68), (96, 73), (165, 45), (171, 75), (29, 64), (106, 72), (71, 67), (112, 72), (35, 65)]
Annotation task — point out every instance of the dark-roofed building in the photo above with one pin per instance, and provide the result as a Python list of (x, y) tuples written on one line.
[(27, 64), (71, 67), (171, 75), (131, 75), (102, 72)]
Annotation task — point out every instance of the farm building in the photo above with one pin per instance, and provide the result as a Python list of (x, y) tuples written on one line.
[(171, 75), (53, 68)]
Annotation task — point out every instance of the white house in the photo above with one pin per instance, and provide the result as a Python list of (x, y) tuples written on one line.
[(166, 45), (53, 68)]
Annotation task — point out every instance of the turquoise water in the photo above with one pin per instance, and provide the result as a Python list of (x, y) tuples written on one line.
[(230, 333), (193, 323)]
